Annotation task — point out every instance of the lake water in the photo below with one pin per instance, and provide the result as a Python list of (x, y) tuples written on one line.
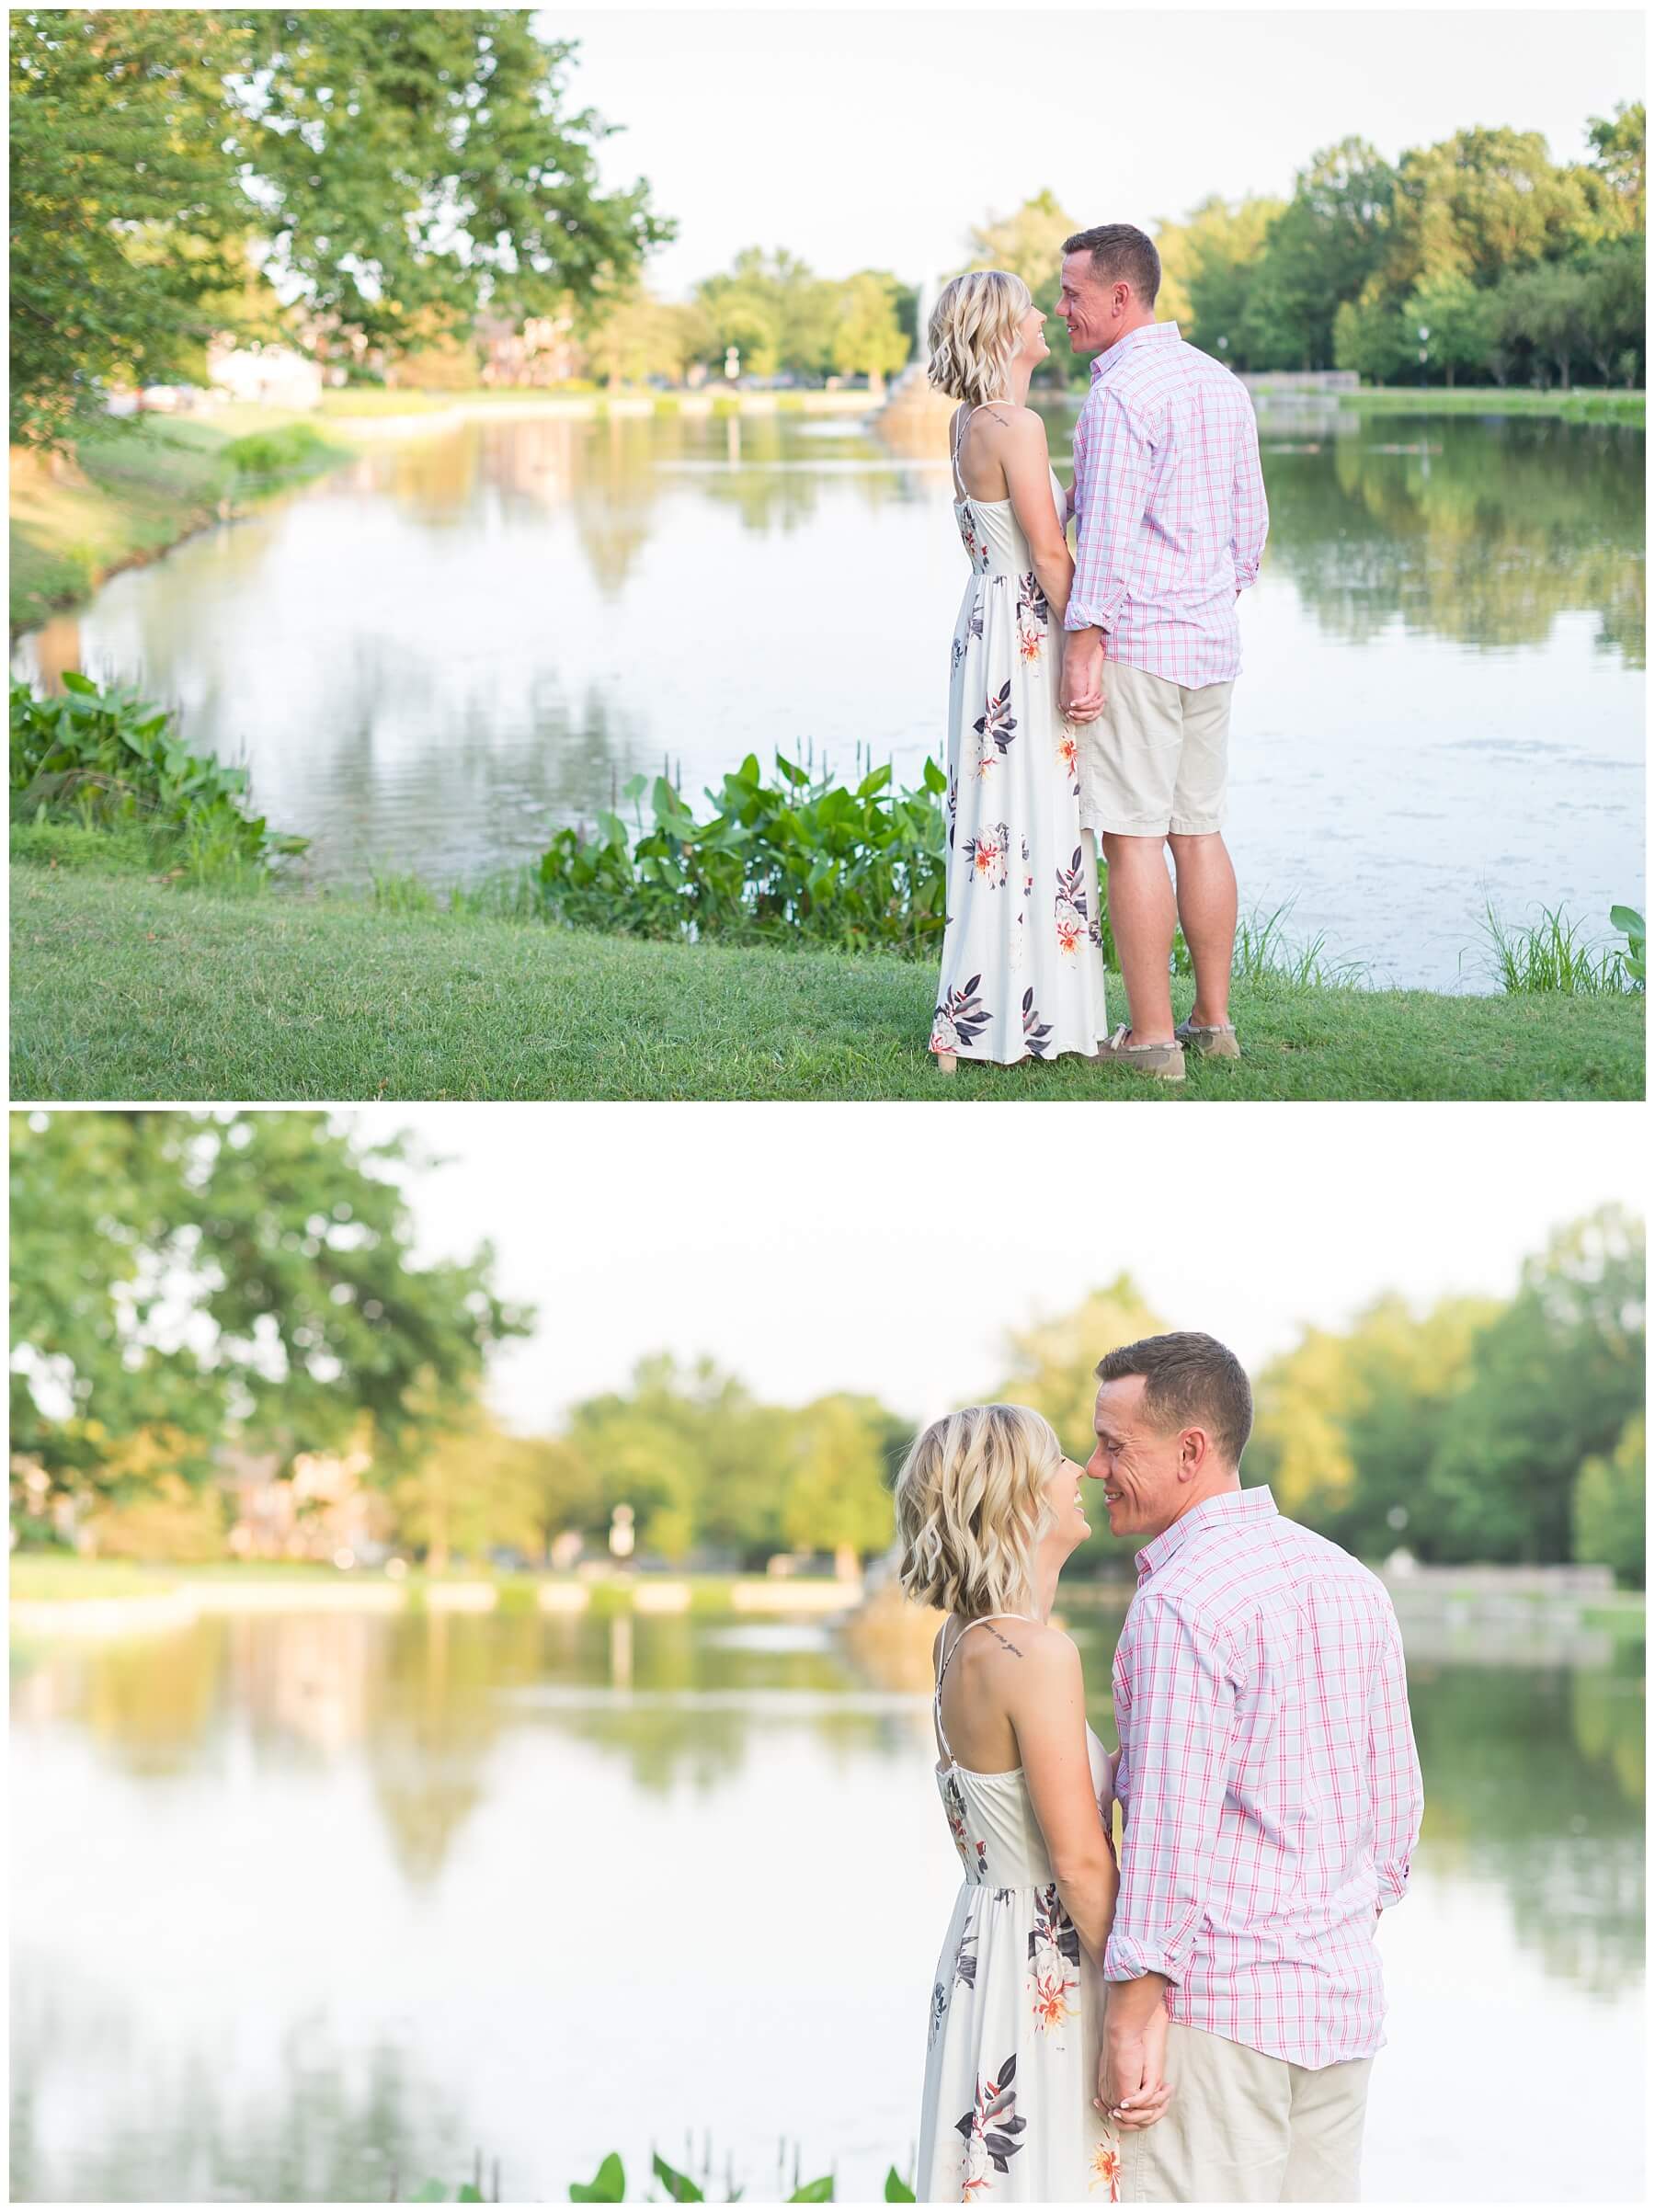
[(433, 656), (306, 1904)]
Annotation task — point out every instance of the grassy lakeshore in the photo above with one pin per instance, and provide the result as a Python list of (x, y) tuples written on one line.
[(1580, 405), (127, 988), (136, 489)]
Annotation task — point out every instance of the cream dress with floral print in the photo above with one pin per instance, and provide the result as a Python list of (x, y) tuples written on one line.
[(1016, 2010), (1022, 971)]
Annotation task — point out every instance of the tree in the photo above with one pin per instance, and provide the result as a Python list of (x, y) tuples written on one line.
[(1214, 256), (1617, 147), (126, 220), (1321, 249), (1479, 203), (637, 337), (404, 169), (1028, 243), (224, 1275), (1464, 322), (1050, 1366), (1551, 1383), (836, 1489), (1609, 1507), (868, 339)]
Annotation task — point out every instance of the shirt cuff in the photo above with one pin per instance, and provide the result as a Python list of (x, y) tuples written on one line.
[(1125, 1960), (1393, 1885), (1246, 573), (1080, 617)]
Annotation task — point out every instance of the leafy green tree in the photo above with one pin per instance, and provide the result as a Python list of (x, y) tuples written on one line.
[(1609, 1507), (1367, 336), (774, 311), (868, 339), (836, 1490), (1212, 258), (1552, 1383), (1322, 248), (225, 1276), (404, 169), (1050, 1366), (127, 222), (1479, 203), (1464, 323), (637, 337), (1028, 243), (1617, 148)]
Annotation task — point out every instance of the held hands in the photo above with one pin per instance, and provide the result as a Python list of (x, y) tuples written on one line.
[(1132, 2092), (1081, 692)]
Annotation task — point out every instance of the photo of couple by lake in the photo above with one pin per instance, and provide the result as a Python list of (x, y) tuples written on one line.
[(1158, 624), (512, 1701)]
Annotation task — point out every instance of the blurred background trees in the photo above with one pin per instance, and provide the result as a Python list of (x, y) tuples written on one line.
[(215, 1311), (1520, 269)]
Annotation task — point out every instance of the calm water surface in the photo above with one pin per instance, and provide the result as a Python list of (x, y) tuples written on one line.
[(433, 657), (303, 1901)]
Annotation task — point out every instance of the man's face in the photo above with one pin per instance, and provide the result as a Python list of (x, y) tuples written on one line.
[(1086, 306), (1137, 1462)]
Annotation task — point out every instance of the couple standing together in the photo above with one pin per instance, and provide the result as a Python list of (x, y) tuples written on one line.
[(1195, 2022), (1090, 698)]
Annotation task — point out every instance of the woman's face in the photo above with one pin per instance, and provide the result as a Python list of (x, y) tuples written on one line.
[(1031, 333), (1069, 1525)]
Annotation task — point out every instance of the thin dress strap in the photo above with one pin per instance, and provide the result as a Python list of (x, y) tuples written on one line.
[(953, 455), (948, 1653)]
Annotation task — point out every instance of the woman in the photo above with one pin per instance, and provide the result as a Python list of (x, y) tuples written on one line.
[(988, 1510), (1023, 967)]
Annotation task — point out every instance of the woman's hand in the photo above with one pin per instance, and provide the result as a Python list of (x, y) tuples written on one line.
[(1132, 2091)]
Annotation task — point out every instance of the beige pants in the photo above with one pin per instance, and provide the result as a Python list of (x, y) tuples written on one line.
[(1242, 2128), (1156, 759)]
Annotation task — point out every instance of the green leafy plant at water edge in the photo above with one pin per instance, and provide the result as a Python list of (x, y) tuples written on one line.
[(800, 858), (1550, 955), (607, 2186), (1630, 924), (105, 759)]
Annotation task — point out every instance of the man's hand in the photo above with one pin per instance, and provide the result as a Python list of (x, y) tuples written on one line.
[(1081, 689), (1132, 2088)]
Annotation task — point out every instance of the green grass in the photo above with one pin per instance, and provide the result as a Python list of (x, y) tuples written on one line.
[(1551, 955), (1577, 405), (136, 489), (125, 988)]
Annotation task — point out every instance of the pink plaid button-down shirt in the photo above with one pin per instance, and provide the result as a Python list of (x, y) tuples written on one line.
[(1171, 505), (1270, 1787)]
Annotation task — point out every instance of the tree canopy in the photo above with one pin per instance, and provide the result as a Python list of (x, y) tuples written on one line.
[(391, 172)]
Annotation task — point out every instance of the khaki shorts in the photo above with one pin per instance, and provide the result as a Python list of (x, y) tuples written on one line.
[(1245, 2129), (1156, 759)]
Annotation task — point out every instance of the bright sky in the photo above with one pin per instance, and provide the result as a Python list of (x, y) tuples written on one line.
[(863, 138), (888, 1249)]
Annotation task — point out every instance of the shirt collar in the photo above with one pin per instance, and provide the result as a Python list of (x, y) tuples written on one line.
[(1152, 331), (1256, 1504)]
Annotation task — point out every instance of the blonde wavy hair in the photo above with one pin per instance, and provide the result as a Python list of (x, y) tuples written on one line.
[(973, 334), (971, 1509)]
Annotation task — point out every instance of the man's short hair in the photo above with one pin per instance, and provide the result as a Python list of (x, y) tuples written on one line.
[(1120, 250), (1189, 1379)]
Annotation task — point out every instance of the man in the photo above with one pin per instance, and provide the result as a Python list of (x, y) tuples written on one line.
[(1271, 1796), (1172, 521)]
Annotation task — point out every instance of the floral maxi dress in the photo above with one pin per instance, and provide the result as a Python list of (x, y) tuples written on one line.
[(1022, 965), (1016, 2013)]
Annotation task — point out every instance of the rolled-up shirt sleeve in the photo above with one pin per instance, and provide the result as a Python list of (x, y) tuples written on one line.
[(1252, 508), (1182, 1701), (1112, 462), (1398, 1789)]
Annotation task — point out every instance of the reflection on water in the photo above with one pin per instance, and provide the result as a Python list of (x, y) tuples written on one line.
[(437, 654), (302, 1898)]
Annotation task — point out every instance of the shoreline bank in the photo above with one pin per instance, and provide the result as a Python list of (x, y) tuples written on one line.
[(126, 987)]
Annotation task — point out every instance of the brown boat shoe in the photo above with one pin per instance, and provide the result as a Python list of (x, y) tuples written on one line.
[(1216, 1041), (1165, 1062)]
